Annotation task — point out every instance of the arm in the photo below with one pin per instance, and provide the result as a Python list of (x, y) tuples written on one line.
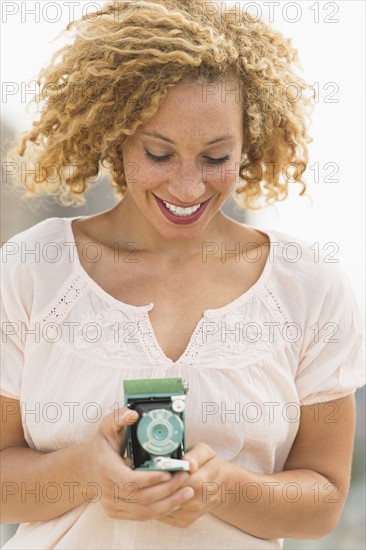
[(96, 461), (305, 500), (26, 472), (317, 469)]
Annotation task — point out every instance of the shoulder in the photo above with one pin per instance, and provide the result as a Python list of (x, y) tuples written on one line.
[(35, 266), (40, 232), (47, 232), (304, 273), (307, 260), (33, 251)]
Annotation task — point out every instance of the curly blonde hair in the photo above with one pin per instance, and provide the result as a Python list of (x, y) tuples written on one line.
[(98, 90)]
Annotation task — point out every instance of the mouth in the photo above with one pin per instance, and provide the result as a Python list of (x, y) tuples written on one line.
[(179, 215)]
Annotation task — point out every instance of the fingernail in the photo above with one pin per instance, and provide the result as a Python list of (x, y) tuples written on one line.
[(129, 415), (188, 493)]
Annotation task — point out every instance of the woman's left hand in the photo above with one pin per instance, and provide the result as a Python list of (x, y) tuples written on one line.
[(206, 476)]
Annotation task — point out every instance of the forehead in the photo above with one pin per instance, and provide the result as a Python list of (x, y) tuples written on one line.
[(200, 108)]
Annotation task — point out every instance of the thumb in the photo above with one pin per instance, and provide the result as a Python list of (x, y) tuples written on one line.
[(124, 416), (111, 426)]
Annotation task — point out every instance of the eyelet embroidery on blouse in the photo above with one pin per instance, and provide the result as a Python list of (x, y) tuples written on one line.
[(253, 344), (199, 338), (148, 339), (65, 302), (195, 344), (275, 308)]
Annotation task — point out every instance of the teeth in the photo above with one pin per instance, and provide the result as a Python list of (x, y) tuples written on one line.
[(181, 211)]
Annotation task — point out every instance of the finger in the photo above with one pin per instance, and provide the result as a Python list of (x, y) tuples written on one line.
[(118, 419), (198, 455), (136, 507), (145, 479), (173, 501), (162, 490), (124, 416), (118, 470)]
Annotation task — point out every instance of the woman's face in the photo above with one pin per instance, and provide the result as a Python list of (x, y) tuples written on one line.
[(187, 155)]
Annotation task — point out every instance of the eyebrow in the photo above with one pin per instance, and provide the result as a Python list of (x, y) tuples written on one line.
[(216, 140)]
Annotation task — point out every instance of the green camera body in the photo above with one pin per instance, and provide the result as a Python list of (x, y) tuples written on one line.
[(157, 441)]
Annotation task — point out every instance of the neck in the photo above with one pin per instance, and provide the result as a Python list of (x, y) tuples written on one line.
[(129, 225)]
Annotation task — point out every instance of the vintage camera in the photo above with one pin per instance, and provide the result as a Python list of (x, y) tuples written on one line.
[(157, 440)]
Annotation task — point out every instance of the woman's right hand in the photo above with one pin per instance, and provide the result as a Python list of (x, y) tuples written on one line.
[(126, 493)]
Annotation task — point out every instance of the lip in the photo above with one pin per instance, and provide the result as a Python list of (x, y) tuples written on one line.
[(180, 220)]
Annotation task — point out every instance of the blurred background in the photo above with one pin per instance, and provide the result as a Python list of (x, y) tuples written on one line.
[(330, 39)]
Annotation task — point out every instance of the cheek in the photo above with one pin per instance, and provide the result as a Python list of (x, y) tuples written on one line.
[(140, 175), (137, 168), (223, 177)]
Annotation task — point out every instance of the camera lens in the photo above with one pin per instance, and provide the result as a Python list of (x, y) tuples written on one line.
[(160, 432)]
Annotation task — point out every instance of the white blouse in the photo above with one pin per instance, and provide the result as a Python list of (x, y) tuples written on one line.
[(294, 338)]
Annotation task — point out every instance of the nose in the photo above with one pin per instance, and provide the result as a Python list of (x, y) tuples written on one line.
[(187, 189)]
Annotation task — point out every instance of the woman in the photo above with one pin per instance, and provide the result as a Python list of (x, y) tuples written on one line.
[(172, 98)]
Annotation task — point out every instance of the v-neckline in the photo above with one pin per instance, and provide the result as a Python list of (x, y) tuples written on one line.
[(149, 339), (156, 352)]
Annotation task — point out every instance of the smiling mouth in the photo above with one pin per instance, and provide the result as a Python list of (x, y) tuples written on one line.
[(179, 211), (180, 215)]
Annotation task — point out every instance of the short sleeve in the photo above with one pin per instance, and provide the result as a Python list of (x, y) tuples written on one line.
[(332, 359), (15, 290)]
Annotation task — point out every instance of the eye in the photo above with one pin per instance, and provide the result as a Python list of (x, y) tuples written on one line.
[(217, 161), (156, 159), (167, 157)]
